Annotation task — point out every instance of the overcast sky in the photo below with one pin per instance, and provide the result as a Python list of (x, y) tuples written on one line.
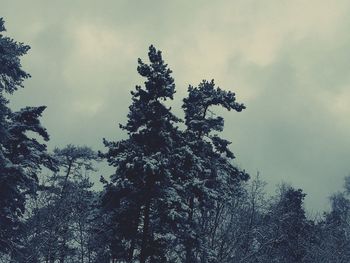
[(288, 61)]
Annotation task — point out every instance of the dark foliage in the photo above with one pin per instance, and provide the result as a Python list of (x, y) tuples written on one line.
[(175, 196)]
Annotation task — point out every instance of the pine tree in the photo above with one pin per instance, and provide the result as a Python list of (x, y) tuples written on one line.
[(212, 178), (287, 227), (21, 155), (167, 180), (141, 192), (332, 238)]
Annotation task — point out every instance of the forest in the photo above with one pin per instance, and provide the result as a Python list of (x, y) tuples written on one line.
[(176, 194)]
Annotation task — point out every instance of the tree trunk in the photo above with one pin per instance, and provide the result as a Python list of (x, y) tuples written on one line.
[(189, 245), (133, 241), (82, 252), (145, 234)]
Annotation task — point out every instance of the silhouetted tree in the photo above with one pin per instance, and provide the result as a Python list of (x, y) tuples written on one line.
[(332, 234), (21, 155), (141, 194), (211, 179), (168, 180), (286, 228), (59, 226)]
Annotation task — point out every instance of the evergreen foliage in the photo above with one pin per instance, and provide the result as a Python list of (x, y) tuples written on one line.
[(176, 194), (141, 194), (165, 178), (21, 155)]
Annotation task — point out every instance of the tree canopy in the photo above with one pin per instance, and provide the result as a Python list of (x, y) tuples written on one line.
[(175, 195)]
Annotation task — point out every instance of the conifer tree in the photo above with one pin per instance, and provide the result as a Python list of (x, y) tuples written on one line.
[(141, 190), (212, 177), (287, 227), (166, 180), (21, 155)]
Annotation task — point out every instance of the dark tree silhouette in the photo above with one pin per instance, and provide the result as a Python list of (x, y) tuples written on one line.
[(21, 155)]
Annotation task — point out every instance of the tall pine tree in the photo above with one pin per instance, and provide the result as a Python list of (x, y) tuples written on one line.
[(212, 178), (167, 180), (141, 191), (21, 155)]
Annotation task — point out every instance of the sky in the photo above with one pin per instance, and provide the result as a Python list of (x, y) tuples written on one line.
[(287, 61)]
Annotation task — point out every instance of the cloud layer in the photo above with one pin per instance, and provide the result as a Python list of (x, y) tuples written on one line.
[(288, 61)]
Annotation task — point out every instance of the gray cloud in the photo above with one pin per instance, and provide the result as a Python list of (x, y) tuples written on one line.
[(287, 61)]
